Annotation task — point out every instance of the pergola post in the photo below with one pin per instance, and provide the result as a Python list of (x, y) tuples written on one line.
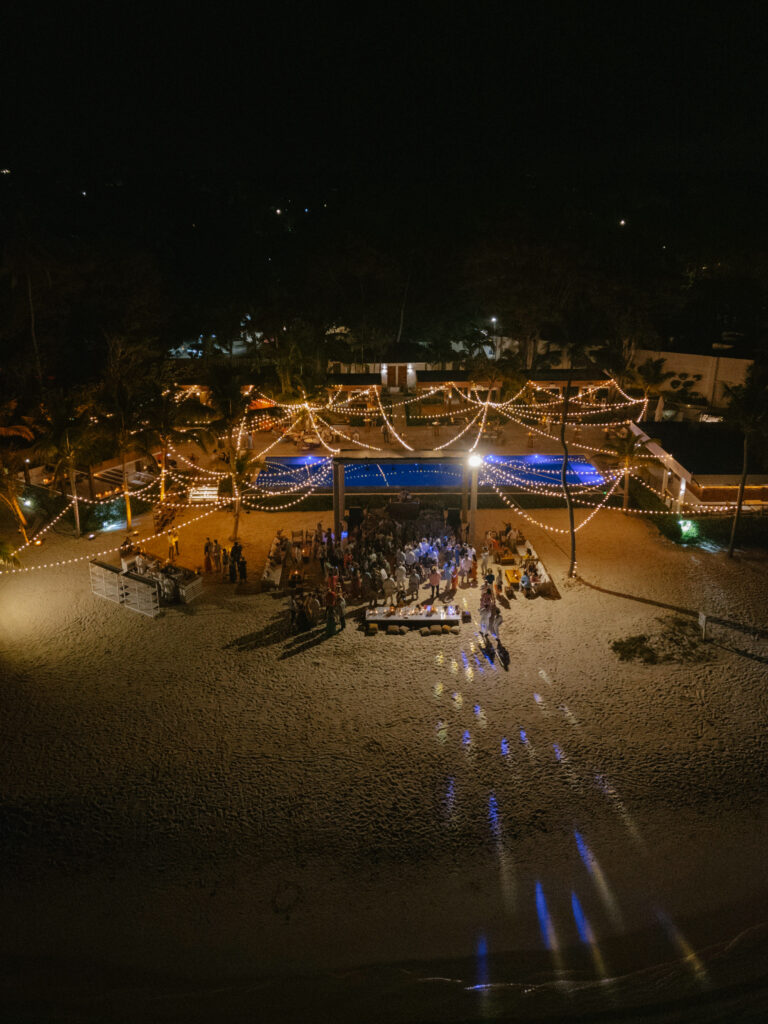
[(464, 492), (473, 508), (338, 499)]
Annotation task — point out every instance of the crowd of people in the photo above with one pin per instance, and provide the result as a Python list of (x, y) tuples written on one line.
[(393, 562)]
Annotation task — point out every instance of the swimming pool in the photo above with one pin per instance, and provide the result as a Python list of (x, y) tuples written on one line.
[(505, 470)]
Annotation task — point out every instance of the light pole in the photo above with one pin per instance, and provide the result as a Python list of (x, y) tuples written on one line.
[(495, 339)]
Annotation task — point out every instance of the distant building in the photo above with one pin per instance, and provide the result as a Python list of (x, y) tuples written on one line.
[(405, 369), (707, 371)]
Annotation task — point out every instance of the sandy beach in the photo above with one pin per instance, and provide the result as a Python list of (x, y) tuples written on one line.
[(204, 814)]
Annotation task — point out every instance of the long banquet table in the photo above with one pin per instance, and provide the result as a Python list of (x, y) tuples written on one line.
[(415, 615)]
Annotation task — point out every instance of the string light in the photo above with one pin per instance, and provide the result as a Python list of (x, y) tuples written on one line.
[(44, 530), (326, 474), (360, 444), (390, 426), (440, 447), (584, 411), (547, 526), (99, 554), (482, 423)]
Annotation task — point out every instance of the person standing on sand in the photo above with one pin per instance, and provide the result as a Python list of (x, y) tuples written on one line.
[(242, 568), (485, 558), (466, 565), (434, 582), (171, 548), (207, 554), (232, 570), (389, 587), (499, 584), (401, 577), (486, 607), (224, 562), (216, 555), (312, 608), (341, 607), (454, 579)]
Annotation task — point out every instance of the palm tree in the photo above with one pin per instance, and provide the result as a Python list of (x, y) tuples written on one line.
[(285, 360), (629, 448), (616, 356), (11, 462), (166, 420), (651, 376), (440, 351), (9, 428), (224, 409), (10, 487), (26, 264), (244, 469), (577, 350), (748, 412), (68, 440), (118, 402), (502, 373)]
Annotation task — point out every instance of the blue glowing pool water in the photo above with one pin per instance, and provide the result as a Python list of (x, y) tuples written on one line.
[(507, 470)]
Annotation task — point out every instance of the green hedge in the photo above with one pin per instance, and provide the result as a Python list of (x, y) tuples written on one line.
[(685, 530)]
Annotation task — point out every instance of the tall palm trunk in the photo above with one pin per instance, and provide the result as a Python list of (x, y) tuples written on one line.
[(740, 498), (564, 476), (75, 505), (162, 472), (126, 495)]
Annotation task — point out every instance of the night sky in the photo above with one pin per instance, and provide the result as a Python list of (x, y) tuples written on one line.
[(305, 96), (159, 149)]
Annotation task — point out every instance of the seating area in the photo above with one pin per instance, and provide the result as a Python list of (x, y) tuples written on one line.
[(511, 549)]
